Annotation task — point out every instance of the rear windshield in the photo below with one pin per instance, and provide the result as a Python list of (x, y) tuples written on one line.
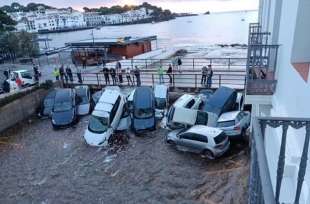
[(26, 75), (226, 123), (143, 113), (160, 103), (220, 138)]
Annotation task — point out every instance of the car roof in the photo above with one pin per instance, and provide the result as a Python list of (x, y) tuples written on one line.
[(228, 116), (183, 99), (21, 70), (205, 130), (217, 101), (160, 91), (143, 97), (50, 94), (63, 94), (109, 96)]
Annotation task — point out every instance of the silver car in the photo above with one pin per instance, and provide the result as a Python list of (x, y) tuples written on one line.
[(234, 123), (207, 141)]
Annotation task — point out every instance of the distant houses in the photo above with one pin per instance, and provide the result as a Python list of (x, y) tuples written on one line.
[(61, 19)]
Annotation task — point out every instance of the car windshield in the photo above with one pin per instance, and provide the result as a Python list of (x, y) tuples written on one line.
[(142, 113), (98, 124), (228, 123), (62, 106), (26, 75), (160, 103), (220, 138), (83, 96)]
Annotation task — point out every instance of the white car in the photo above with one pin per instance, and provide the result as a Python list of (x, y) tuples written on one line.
[(207, 141), (125, 121), (105, 118), (25, 76), (234, 123), (84, 100), (161, 100), (189, 117), (186, 101)]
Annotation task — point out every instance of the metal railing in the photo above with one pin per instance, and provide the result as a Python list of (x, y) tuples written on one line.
[(64, 57), (261, 63), (260, 187), (233, 79)]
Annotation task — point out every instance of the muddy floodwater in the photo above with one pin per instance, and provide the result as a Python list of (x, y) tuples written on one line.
[(40, 165)]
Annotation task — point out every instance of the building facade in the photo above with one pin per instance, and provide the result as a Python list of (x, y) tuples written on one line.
[(278, 89)]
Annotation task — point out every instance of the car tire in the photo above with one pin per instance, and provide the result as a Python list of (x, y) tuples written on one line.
[(208, 154), (172, 143)]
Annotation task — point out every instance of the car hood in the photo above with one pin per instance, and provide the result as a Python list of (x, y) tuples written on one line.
[(94, 139), (63, 118), (142, 124), (173, 134)]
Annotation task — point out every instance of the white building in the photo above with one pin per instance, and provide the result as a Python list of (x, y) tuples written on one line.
[(51, 19), (95, 19), (287, 94)]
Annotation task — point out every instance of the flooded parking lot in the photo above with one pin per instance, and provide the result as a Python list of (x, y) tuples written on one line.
[(40, 165)]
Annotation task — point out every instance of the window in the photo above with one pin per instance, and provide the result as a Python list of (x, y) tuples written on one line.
[(200, 138), (228, 123), (202, 118), (115, 108), (220, 138), (190, 104)]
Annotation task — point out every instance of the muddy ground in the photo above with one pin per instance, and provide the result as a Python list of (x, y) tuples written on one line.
[(40, 165)]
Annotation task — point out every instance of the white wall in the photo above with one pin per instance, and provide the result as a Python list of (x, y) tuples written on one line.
[(291, 99)]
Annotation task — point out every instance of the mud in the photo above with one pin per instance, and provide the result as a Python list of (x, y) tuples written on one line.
[(40, 165)]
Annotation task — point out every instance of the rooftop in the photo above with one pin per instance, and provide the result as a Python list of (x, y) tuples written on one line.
[(106, 42)]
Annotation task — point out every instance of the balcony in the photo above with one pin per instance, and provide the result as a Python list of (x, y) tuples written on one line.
[(261, 63), (261, 189)]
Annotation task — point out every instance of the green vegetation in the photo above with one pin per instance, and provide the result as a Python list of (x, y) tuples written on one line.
[(18, 44), (157, 11), (14, 7), (6, 23)]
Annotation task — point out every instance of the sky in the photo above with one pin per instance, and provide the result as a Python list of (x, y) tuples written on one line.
[(193, 6)]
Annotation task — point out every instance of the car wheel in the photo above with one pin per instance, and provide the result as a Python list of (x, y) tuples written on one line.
[(208, 154), (171, 142)]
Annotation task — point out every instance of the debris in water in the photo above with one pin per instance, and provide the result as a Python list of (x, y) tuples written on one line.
[(109, 158)]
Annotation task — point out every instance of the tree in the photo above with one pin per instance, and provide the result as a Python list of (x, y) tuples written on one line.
[(6, 22)]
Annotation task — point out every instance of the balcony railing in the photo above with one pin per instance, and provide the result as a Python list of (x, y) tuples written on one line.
[(261, 63), (261, 189)]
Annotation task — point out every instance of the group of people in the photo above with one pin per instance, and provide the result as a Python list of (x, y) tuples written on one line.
[(206, 76), (65, 74), (132, 76)]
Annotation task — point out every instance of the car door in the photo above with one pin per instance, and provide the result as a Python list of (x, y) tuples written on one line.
[(191, 142), (117, 112)]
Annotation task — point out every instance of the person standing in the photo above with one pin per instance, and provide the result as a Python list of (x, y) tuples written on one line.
[(204, 72), (179, 63), (66, 79), (113, 75), (84, 61), (62, 73), (56, 74), (6, 86), (210, 75), (18, 82), (128, 76), (118, 68), (36, 73), (160, 72), (105, 71), (137, 75), (79, 74), (6, 74), (69, 73), (169, 73)]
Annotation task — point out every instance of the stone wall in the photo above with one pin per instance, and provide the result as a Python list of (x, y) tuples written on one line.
[(20, 109)]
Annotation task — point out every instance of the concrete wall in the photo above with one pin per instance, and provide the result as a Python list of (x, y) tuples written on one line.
[(20, 109)]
